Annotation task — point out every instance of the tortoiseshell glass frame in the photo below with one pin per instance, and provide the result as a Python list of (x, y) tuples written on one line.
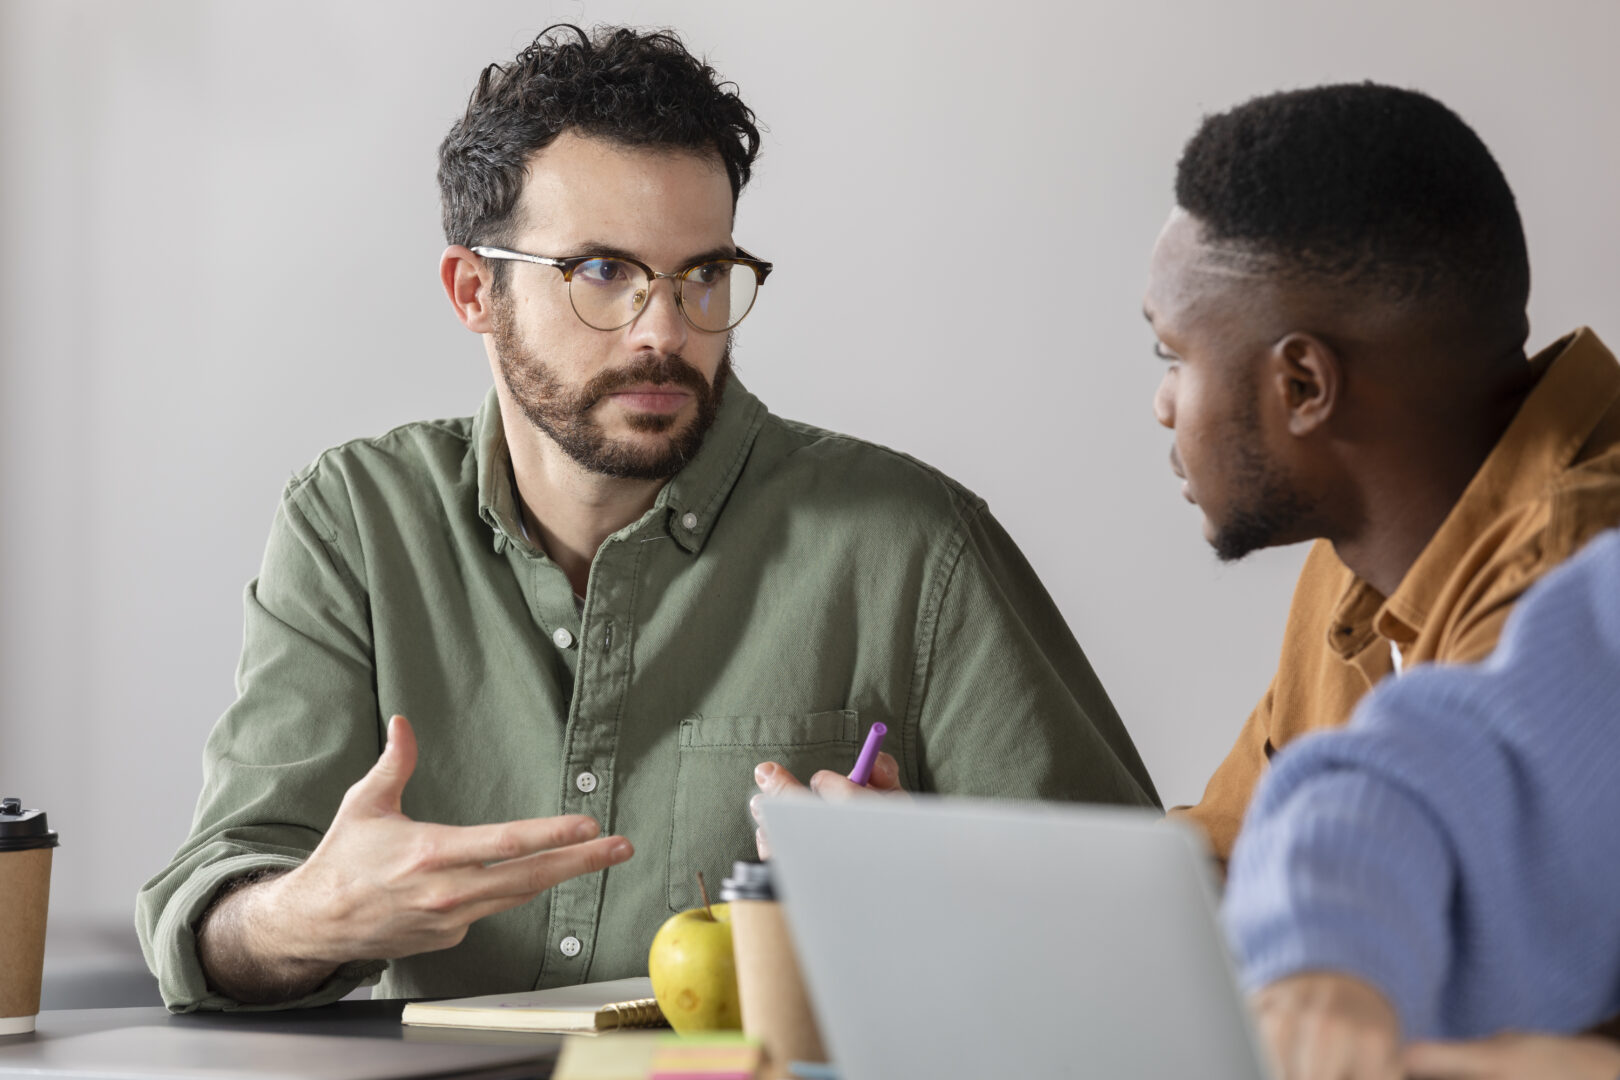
[(761, 268)]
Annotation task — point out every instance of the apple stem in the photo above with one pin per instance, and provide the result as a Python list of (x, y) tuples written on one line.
[(705, 893)]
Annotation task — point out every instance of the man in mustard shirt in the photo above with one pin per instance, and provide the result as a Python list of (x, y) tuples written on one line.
[(602, 601), (1339, 297)]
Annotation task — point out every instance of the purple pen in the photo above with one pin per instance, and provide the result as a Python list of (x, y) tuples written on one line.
[(863, 764)]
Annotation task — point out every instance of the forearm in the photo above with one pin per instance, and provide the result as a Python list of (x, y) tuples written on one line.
[(242, 947)]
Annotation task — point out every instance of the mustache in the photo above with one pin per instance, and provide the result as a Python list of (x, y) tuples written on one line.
[(671, 370)]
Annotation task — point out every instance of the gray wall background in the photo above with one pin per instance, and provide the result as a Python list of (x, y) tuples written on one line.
[(220, 234)]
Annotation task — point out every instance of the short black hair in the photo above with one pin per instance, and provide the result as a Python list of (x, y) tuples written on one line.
[(1370, 187), (639, 88)]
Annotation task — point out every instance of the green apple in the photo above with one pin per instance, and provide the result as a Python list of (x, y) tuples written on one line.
[(694, 976)]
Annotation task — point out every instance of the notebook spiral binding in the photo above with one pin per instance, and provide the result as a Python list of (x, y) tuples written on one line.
[(631, 1014)]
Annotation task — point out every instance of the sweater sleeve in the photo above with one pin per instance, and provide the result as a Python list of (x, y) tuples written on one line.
[(1343, 871), (1455, 845)]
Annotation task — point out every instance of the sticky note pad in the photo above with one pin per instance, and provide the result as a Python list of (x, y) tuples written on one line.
[(659, 1056), (719, 1056), (606, 1057)]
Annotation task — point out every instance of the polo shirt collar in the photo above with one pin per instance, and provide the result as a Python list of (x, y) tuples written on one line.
[(686, 508)]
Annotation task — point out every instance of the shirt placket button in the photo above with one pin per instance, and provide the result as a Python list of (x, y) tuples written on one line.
[(586, 782)]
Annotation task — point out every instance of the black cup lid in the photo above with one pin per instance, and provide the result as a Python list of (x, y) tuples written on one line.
[(748, 881), (23, 830)]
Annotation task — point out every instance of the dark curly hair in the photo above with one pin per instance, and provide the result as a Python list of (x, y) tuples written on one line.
[(1365, 186), (633, 87)]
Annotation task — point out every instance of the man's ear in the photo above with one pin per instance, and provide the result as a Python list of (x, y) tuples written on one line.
[(466, 281), (1308, 376)]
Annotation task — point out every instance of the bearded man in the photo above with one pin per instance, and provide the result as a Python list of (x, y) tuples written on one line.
[(611, 602)]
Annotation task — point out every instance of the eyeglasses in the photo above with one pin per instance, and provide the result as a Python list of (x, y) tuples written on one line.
[(609, 292)]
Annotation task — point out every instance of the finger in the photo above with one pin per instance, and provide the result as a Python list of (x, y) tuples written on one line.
[(1382, 1056), (1312, 1055), (773, 779), (458, 845), (885, 774), (1367, 1057), (536, 873), (383, 785), (1450, 1060), (483, 909), (762, 843), (1277, 1036), (1336, 1047), (836, 787), (1326, 1048)]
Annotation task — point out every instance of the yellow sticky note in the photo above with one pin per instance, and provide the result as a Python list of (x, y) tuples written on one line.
[(616, 1056)]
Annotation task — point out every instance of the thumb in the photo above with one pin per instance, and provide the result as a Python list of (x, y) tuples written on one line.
[(383, 786), (885, 774)]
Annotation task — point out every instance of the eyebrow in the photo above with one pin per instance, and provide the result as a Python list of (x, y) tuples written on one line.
[(595, 248)]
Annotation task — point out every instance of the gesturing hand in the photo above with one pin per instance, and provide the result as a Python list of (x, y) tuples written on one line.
[(380, 885), (774, 779)]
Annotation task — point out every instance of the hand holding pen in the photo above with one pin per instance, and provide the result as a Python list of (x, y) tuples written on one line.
[(874, 773)]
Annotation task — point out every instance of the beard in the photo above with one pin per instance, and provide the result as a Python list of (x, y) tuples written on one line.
[(564, 412), (1267, 508)]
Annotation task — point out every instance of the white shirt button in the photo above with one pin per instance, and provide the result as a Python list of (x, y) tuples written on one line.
[(586, 782), (689, 522), (569, 946), (562, 637)]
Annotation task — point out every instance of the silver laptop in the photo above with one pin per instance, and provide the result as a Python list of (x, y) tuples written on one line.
[(951, 938)]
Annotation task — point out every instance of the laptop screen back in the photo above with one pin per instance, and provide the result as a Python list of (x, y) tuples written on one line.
[(953, 938)]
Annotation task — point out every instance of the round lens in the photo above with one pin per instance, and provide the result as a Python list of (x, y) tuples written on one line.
[(716, 295), (607, 293)]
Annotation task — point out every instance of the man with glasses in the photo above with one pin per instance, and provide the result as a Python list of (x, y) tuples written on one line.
[(607, 603)]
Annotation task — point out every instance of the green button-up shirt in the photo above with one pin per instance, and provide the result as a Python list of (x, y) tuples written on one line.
[(788, 587)]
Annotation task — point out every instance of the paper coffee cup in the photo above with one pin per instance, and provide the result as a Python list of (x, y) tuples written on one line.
[(25, 884), (775, 1006)]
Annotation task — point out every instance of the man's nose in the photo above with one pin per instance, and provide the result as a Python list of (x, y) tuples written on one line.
[(660, 327), (1164, 401)]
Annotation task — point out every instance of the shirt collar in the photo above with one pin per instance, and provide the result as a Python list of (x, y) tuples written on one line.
[(1579, 384), (695, 496), (686, 508)]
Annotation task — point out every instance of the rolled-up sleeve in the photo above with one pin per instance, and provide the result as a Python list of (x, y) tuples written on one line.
[(304, 727)]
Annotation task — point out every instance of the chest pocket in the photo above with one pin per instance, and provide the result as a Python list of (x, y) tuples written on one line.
[(711, 827)]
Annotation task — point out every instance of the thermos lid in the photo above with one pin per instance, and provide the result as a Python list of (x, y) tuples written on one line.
[(23, 830), (748, 881)]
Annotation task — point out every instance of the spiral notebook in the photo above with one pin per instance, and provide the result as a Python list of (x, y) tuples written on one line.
[(568, 1010)]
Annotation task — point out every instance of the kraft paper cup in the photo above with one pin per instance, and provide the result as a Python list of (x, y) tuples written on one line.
[(775, 1006), (25, 883)]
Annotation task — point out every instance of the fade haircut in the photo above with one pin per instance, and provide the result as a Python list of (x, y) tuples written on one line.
[(638, 88), (1366, 187)]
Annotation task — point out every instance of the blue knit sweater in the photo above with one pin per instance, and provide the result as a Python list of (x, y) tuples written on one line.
[(1458, 844)]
